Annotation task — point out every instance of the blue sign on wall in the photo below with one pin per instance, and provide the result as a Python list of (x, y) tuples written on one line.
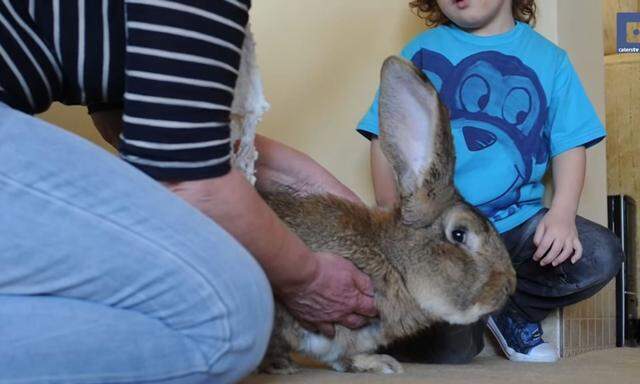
[(628, 32)]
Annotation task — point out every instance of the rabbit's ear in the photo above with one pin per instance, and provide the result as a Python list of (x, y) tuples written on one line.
[(416, 138)]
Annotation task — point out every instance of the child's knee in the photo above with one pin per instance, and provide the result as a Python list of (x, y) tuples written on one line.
[(605, 250)]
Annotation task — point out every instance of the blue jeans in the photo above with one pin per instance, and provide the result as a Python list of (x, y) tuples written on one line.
[(543, 289), (107, 277)]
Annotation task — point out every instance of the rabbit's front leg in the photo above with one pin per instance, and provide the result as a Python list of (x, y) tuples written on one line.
[(371, 363), (277, 360)]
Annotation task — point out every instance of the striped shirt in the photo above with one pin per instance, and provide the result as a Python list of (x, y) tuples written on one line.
[(171, 66)]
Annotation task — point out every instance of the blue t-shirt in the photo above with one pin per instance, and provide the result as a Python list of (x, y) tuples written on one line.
[(515, 101)]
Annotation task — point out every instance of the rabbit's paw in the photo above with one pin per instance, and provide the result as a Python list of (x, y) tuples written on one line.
[(384, 364), (279, 366)]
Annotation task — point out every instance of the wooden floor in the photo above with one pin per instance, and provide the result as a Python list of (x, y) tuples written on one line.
[(614, 366)]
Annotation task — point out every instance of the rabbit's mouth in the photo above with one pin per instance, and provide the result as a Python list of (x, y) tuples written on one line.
[(468, 316), (444, 309), (498, 288), (475, 312), (493, 296)]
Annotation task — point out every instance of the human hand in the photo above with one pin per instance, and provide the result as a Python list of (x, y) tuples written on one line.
[(338, 293), (319, 289), (557, 239)]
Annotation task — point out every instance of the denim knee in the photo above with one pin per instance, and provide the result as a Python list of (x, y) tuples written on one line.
[(259, 309), (230, 318), (607, 254)]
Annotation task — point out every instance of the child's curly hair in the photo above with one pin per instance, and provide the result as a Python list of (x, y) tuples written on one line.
[(523, 10)]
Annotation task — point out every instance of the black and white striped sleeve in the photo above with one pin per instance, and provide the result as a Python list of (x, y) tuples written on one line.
[(182, 60)]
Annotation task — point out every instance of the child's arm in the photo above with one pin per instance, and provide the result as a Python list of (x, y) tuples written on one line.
[(557, 231), (384, 184)]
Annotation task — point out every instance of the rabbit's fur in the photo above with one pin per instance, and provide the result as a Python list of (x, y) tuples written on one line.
[(421, 269)]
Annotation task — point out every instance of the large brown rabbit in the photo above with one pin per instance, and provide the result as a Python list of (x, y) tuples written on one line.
[(434, 258)]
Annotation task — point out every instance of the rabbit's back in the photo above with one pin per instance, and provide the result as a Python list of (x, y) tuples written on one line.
[(327, 223)]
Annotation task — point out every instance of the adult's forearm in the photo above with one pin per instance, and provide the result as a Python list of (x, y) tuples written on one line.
[(235, 205), (281, 164), (568, 179)]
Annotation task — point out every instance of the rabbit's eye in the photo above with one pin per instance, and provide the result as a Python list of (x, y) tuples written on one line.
[(458, 235)]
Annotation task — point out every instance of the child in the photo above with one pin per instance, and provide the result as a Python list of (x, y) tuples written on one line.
[(515, 104)]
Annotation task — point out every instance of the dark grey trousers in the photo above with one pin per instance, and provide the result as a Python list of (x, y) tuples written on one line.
[(539, 291)]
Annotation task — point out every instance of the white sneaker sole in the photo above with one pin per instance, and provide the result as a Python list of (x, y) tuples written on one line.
[(514, 355)]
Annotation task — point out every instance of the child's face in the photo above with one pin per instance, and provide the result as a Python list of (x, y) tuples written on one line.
[(474, 14)]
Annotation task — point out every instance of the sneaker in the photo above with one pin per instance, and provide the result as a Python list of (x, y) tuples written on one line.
[(521, 340)]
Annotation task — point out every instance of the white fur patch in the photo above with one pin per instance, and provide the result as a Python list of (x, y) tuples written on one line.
[(444, 310), (469, 316), (363, 340), (368, 338), (321, 347), (249, 104)]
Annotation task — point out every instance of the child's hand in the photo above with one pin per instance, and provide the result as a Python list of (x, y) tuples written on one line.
[(557, 239)]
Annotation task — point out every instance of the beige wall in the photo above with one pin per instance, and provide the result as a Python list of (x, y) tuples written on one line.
[(76, 120)]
